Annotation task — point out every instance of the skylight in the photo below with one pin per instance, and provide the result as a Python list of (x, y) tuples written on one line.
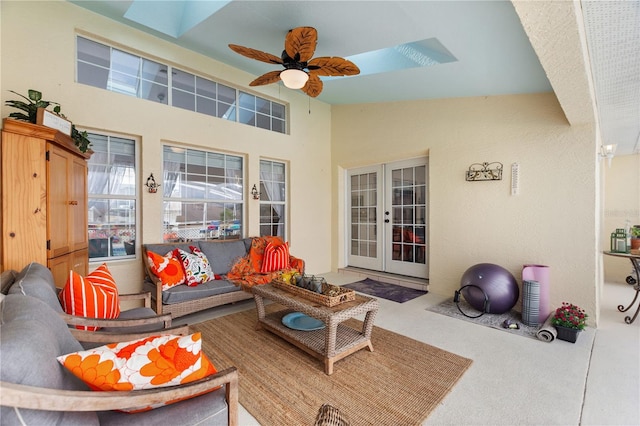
[(173, 18), (422, 53)]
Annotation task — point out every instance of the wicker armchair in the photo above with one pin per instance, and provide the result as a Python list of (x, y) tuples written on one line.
[(36, 280), (36, 389)]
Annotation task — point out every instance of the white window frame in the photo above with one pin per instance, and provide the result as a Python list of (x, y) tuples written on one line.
[(208, 228), (135, 198), (264, 193)]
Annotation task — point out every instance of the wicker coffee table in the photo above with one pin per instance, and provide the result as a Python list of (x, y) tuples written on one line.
[(330, 344)]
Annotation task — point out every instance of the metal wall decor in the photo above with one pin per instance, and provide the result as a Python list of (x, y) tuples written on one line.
[(151, 184), (484, 171)]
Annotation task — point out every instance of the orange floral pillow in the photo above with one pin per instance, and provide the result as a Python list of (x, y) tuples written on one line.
[(168, 268), (152, 362), (275, 258), (93, 296)]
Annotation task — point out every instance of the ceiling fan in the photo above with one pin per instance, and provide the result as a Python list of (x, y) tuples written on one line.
[(301, 72)]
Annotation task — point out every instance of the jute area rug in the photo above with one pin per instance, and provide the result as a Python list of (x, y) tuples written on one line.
[(400, 383)]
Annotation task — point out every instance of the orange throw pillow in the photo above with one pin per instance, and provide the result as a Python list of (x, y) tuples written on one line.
[(93, 296), (275, 258), (256, 252), (151, 362), (168, 268)]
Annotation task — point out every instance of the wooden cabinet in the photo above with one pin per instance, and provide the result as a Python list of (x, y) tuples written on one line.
[(44, 200)]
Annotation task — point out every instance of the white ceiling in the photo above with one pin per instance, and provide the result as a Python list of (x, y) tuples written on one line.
[(494, 55)]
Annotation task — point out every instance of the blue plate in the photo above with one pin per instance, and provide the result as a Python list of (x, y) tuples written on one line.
[(300, 321)]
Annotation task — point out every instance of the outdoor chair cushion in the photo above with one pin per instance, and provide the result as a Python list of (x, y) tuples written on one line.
[(36, 280), (32, 335)]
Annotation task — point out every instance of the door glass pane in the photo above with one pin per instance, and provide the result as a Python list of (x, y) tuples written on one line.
[(363, 215), (408, 214)]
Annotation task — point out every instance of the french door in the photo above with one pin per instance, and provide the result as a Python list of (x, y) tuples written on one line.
[(387, 218)]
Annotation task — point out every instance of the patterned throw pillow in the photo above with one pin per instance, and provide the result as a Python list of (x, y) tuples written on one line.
[(196, 266), (275, 257), (93, 296), (152, 362), (168, 268)]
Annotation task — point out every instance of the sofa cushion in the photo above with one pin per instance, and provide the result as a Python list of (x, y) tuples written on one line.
[(168, 268), (164, 248), (196, 266), (135, 313), (276, 257), (182, 293), (93, 296), (32, 335), (147, 363), (258, 246), (36, 280), (223, 254)]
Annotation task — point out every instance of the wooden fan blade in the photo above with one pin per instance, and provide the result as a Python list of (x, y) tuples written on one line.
[(300, 43), (268, 78), (332, 66), (313, 86), (256, 54)]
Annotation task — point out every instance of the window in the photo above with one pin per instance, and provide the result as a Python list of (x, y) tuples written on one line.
[(259, 112), (203, 195), (273, 192), (108, 68), (112, 197), (201, 95), (118, 71)]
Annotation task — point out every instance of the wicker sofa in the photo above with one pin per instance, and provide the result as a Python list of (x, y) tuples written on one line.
[(183, 300)]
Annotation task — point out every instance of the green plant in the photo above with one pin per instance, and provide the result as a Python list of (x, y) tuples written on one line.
[(570, 316), (635, 231), (30, 107)]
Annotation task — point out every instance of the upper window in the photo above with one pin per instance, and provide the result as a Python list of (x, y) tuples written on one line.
[(262, 113), (112, 197), (273, 197), (108, 68), (203, 195)]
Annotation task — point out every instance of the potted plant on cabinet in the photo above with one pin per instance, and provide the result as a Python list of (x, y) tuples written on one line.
[(30, 108), (569, 320)]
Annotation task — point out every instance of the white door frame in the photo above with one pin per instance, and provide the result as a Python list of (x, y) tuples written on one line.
[(378, 232)]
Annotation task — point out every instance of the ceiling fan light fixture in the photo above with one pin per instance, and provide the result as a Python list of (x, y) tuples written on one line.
[(294, 78)]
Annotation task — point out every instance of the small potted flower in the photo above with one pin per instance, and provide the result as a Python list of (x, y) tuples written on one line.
[(569, 320)]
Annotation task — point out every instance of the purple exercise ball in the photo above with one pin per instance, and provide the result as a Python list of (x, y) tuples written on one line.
[(499, 285)]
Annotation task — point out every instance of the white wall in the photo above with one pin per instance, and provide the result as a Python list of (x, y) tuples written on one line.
[(44, 60), (551, 222)]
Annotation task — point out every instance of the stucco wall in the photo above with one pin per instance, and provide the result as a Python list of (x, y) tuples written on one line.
[(551, 222), (45, 60)]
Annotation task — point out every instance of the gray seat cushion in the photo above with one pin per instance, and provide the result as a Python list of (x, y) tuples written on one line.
[(207, 409), (223, 254), (36, 280), (6, 280), (135, 313), (183, 293), (32, 335), (164, 248)]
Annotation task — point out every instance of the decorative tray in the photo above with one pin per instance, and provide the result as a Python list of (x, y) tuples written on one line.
[(331, 295)]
